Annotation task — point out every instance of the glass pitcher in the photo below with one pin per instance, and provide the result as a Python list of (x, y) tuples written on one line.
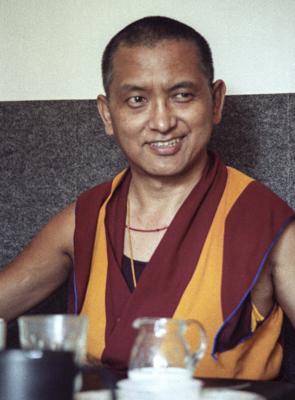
[(161, 346)]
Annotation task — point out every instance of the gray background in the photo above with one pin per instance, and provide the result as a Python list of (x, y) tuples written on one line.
[(53, 150)]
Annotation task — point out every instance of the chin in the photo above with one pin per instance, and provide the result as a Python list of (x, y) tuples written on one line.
[(164, 172)]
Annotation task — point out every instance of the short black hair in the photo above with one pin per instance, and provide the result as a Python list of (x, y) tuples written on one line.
[(148, 31)]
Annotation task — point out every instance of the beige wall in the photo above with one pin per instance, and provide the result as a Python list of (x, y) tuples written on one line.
[(51, 49)]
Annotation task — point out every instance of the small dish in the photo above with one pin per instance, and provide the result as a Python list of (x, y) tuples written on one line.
[(229, 394), (94, 395)]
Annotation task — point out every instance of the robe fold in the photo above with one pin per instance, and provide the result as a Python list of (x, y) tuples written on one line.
[(204, 268)]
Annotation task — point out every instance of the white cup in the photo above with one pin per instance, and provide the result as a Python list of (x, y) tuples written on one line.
[(159, 384), (2, 334)]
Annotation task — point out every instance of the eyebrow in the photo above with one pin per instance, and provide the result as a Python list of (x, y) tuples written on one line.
[(131, 88), (183, 85)]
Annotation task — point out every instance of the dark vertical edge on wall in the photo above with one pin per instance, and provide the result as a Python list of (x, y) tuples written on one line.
[(291, 129)]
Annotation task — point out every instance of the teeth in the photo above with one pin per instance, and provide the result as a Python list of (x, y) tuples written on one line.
[(168, 143)]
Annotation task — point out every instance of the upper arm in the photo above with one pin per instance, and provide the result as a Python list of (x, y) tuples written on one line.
[(40, 268), (282, 260)]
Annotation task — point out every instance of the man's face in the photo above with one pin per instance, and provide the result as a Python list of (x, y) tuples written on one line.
[(161, 108)]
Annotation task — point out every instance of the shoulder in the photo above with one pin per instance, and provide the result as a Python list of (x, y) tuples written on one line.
[(96, 195), (89, 203), (101, 189), (63, 224), (282, 264), (257, 218), (283, 253), (256, 197)]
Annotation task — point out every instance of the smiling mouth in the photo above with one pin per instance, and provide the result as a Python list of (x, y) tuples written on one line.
[(162, 144)]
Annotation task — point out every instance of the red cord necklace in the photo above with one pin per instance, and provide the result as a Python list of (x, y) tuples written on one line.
[(129, 229), (146, 230)]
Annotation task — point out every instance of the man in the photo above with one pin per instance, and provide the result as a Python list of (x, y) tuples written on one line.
[(176, 235)]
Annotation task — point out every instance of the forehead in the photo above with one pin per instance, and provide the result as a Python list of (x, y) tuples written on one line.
[(163, 61)]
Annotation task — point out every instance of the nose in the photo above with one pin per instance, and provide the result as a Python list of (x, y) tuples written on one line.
[(162, 117)]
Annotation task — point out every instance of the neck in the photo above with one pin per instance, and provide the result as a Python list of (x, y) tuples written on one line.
[(155, 200)]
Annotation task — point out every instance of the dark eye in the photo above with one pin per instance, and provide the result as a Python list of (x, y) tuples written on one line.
[(183, 97), (136, 101)]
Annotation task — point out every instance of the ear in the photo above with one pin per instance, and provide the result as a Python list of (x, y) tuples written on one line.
[(104, 112), (218, 94)]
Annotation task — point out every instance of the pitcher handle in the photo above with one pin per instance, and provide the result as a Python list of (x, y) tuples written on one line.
[(200, 352)]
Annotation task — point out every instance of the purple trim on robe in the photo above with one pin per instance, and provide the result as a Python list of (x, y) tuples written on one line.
[(230, 342), (75, 293)]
